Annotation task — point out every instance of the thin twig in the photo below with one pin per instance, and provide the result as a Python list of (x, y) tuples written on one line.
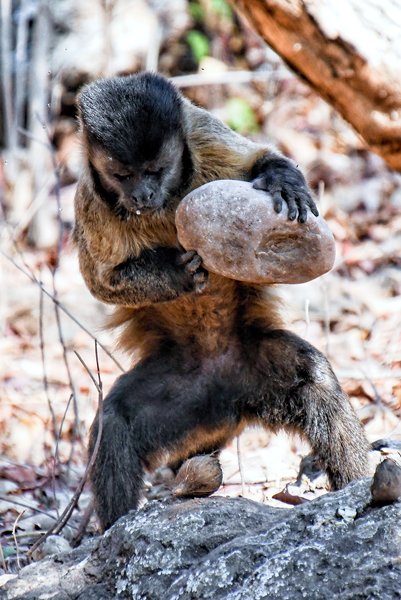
[(377, 397), (75, 433), (56, 172), (28, 272), (15, 244), (32, 137), (107, 9), (2, 559), (62, 521), (47, 393), (57, 187), (45, 378), (25, 534), (58, 438), (152, 56), (63, 309), (21, 58), (56, 454), (6, 79), (240, 467), (95, 383), (229, 77), (83, 524), (15, 538), (26, 505)]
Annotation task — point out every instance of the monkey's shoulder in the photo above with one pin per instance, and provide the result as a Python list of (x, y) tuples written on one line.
[(217, 151)]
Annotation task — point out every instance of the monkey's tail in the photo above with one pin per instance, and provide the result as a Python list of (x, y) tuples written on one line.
[(117, 475)]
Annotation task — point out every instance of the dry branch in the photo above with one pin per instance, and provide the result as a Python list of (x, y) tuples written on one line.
[(349, 51), (65, 516), (30, 275)]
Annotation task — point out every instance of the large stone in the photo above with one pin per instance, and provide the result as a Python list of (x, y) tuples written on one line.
[(236, 231)]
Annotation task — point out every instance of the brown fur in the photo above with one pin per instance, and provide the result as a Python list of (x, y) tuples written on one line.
[(209, 360), (105, 241)]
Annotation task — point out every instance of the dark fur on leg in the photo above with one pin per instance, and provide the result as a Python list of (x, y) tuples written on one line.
[(175, 405), (117, 473), (336, 435), (299, 392), (163, 408)]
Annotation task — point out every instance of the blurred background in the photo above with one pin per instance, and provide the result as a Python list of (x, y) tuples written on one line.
[(49, 49)]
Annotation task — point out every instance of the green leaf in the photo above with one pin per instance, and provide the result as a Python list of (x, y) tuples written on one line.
[(222, 8), (198, 43), (240, 116), (196, 11)]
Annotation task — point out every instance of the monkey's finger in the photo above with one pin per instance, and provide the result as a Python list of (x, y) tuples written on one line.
[(260, 183), (194, 264), (277, 201), (292, 206), (306, 200), (304, 195), (313, 207), (302, 213), (185, 257)]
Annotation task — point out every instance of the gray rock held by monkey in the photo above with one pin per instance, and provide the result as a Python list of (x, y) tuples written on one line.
[(239, 235)]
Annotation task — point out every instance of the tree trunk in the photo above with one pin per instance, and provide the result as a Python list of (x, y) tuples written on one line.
[(349, 52)]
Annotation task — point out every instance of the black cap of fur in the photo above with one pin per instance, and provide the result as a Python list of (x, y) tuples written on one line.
[(130, 117)]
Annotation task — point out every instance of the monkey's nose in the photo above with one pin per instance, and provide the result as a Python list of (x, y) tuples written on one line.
[(142, 200)]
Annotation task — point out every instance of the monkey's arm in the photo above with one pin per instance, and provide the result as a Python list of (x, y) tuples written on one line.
[(156, 275), (220, 153), (117, 270)]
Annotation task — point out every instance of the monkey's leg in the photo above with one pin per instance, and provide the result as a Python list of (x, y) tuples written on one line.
[(157, 409), (301, 393), (117, 473)]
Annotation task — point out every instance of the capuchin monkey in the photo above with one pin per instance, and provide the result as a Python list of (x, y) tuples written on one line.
[(210, 354)]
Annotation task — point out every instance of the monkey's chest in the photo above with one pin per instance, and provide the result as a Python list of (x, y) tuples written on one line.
[(206, 323)]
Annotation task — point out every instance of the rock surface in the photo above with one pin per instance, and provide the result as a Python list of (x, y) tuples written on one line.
[(337, 546), (236, 231)]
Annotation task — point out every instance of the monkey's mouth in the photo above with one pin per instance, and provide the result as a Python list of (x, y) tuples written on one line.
[(142, 209)]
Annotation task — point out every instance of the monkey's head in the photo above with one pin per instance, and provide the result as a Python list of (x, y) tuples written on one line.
[(133, 133)]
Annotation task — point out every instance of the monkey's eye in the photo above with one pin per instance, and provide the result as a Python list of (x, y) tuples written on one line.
[(120, 177), (153, 170)]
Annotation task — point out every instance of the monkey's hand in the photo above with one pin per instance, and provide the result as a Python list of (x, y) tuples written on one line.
[(286, 183), (196, 274), (156, 275)]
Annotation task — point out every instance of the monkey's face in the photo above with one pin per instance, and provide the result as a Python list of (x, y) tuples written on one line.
[(142, 187)]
